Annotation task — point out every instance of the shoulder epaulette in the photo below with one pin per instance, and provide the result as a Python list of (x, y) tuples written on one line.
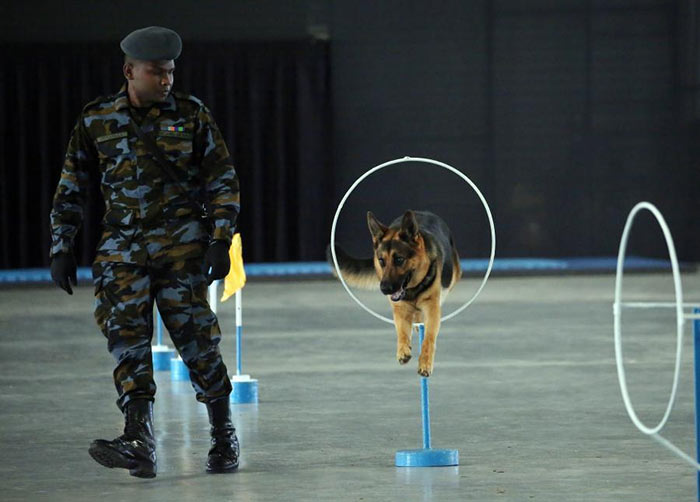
[(96, 102), (187, 97)]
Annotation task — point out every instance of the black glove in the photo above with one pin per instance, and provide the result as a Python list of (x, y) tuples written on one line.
[(217, 258), (63, 271)]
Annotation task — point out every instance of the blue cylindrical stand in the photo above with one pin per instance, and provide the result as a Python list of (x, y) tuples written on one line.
[(245, 389), (427, 456)]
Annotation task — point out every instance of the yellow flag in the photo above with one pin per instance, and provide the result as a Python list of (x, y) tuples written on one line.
[(235, 279)]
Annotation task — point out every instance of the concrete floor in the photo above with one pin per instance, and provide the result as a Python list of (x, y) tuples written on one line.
[(525, 388)]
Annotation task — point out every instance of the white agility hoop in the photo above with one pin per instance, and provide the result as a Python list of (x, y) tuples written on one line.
[(427, 161), (680, 320)]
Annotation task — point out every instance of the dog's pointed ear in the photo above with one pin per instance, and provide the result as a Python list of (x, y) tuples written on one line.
[(409, 226), (376, 228)]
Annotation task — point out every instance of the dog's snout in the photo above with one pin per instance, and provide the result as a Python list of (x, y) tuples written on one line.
[(386, 287)]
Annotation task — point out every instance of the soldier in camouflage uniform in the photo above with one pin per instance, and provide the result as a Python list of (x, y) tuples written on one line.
[(155, 245)]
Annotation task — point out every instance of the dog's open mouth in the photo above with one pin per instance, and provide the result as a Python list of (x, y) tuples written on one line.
[(401, 293)]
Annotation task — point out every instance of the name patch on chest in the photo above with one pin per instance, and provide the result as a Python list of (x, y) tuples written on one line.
[(110, 137)]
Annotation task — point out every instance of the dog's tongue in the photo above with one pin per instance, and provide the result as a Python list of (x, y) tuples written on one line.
[(401, 293), (398, 296)]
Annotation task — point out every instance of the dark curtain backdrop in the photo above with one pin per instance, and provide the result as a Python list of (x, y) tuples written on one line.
[(564, 113), (271, 101)]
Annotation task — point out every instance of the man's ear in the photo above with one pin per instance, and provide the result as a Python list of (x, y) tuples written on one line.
[(128, 70), (409, 226), (376, 228)]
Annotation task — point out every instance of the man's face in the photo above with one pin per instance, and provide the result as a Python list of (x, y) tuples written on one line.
[(150, 81)]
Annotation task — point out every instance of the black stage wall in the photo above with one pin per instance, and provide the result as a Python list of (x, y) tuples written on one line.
[(565, 113)]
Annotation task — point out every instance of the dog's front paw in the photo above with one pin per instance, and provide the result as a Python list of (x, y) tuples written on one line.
[(425, 367), (403, 354), (424, 372)]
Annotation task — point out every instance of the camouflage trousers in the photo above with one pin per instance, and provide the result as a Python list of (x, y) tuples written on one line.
[(124, 296)]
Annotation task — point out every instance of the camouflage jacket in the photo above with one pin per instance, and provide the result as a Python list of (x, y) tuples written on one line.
[(147, 214)]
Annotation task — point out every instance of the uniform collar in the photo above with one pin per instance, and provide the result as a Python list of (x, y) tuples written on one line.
[(121, 99), (121, 102)]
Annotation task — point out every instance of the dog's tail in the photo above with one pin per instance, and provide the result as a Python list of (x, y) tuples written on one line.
[(357, 272)]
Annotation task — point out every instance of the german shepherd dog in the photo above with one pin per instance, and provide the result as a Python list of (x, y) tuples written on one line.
[(415, 264)]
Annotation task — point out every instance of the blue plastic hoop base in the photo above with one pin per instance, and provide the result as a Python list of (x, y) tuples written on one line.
[(426, 458), (245, 389), (178, 370), (162, 354)]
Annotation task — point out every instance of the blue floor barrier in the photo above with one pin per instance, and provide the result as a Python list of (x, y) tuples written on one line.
[(321, 268)]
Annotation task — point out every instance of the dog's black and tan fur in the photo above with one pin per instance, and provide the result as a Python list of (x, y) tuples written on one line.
[(415, 264)]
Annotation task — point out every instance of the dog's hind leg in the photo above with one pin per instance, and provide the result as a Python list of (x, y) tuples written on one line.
[(404, 324)]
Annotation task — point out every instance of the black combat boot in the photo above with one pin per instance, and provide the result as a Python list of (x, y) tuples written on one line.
[(136, 448), (223, 455)]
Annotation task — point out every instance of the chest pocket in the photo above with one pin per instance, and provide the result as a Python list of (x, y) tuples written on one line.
[(114, 153), (176, 145), (112, 145)]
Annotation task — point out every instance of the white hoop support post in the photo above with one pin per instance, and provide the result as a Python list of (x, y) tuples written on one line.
[(244, 388), (680, 320), (426, 161)]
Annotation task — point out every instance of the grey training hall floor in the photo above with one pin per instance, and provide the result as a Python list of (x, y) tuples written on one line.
[(525, 388)]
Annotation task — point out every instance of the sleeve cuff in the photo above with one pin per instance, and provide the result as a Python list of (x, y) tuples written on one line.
[(60, 246), (223, 231)]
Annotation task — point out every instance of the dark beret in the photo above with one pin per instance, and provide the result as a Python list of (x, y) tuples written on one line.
[(152, 44)]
